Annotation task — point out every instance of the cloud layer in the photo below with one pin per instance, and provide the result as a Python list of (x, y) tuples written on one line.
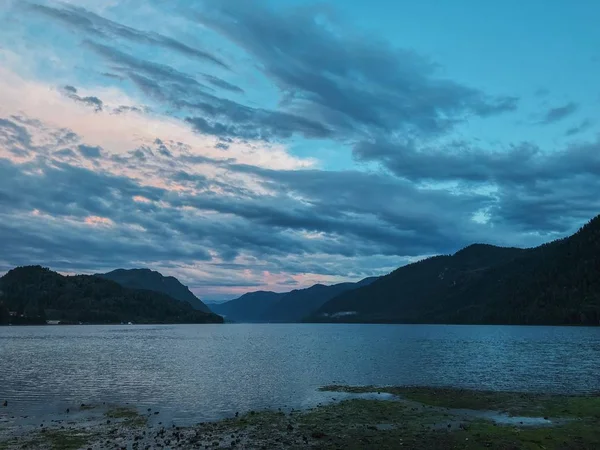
[(181, 145)]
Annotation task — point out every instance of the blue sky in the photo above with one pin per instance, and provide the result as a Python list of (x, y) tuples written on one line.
[(272, 145)]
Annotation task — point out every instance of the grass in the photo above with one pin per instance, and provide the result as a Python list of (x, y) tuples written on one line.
[(50, 439), (422, 419), (419, 427), (65, 440), (516, 404), (129, 417)]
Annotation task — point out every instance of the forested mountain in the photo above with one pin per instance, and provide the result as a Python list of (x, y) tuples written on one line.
[(35, 294), (155, 281), (250, 307), (556, 283), (265, 306), (4, 317)]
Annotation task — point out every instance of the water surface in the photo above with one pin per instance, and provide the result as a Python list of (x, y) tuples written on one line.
[(193, 373)]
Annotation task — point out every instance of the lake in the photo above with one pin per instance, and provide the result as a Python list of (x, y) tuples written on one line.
[(195, 373)]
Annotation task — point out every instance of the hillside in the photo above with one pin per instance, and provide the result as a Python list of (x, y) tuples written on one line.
[(265, 306), (250, 307), (38, 294), (556, 283), (155, 281)]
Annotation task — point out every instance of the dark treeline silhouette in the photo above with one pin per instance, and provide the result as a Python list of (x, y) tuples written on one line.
[(556, 284), (266, 306), (35, 294), (155, 281)]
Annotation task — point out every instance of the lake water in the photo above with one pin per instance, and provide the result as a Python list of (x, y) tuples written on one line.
[(194, 373)]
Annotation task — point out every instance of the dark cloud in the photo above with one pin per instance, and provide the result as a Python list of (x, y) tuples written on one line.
[(89, 152), (334, 85), (350, 82), (559, 113), (221, 117), (223, 84), (583, 126), (97, 26), (94, 102), (15, 136), (65, 152), (309, 221), (523, 164)]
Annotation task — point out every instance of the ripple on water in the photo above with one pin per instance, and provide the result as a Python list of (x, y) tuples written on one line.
[(205, 372)]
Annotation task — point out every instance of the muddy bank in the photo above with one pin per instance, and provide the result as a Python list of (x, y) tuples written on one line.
[(377, 418)]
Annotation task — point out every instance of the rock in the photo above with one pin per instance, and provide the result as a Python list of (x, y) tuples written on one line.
[(5, 404), (318, 435), (68, 410), (290, 427)]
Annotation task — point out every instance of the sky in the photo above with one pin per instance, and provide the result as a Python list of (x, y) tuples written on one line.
[(273, 145)]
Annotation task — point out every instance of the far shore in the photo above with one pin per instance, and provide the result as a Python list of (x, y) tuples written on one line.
[(369, 417)]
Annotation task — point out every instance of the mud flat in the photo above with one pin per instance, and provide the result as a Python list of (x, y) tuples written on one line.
[(364, 417)]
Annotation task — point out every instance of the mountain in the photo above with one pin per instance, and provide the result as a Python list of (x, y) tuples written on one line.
[(155, 281), (250, 307), (35, 294), (265, 306), (556, 283)]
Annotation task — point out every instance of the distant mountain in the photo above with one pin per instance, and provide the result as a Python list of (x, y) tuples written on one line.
[(155, 281), (556, 283), (35, 294), (265, 306), (250, 307)]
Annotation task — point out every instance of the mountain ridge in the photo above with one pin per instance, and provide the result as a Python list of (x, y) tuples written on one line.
[(555, 283), (34, 294), (155, 281), (284, 307)]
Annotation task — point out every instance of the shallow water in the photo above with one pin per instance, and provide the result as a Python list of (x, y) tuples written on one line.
[(203, 372)]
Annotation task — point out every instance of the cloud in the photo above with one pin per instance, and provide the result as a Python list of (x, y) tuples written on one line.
[(160, 154), (208, 214), (559, 113), (580, 128), (94, 25), (221, 117), (222, 84), (337, 84), (90, 152), (348, 81), (92, 101)]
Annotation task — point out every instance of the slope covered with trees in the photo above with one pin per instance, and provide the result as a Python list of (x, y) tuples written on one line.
[(37, 294), (556, 283), (250, 307), (287, 307), (155, 281)]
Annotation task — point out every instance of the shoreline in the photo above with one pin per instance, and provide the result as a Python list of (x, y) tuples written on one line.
[(410, 417)]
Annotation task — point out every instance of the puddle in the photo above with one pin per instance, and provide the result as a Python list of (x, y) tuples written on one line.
[(385, 426), (505, 419), (455, 416)]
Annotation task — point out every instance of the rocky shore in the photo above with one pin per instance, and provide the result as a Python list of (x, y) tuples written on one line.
[(414, 418)]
